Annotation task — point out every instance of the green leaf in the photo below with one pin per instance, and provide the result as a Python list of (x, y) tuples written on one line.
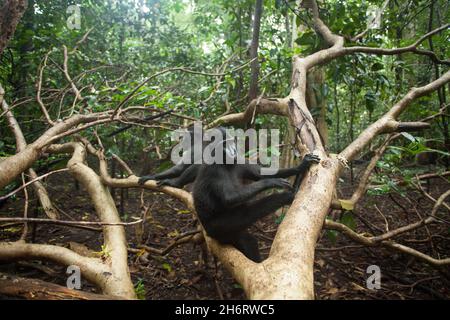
[(346, 204), (408, 136), (332, 235), (377, 66), (371, 100), (348, 220), (237, 286), (167, 267), (139, 289), (279, 219), (202, 89), (306, 39), (232, 82)]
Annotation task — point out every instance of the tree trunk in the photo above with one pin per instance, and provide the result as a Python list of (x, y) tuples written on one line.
[(10, 15), (253, 93), (316, 100)]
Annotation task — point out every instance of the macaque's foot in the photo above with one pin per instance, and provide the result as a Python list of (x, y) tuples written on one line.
[(291, 195)]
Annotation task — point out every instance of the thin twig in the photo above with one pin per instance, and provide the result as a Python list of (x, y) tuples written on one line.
[(182, 69), (183, 238), (123, 164), (69, 79), (66, 222), (25, 211), (83, 39), (30, 182), (39, 89)]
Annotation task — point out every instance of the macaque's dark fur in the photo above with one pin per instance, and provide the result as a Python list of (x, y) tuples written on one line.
[(225, 205)]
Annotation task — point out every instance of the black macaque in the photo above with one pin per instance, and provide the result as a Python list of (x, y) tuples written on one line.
[(226, 205)]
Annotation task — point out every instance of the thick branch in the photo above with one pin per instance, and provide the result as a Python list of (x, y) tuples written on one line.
[(364, 181), (411, 48), (257, 106), (91, 268), (385, 121), (114, 235), (34, 289), (411, 126), (21, 144), (12, 166)]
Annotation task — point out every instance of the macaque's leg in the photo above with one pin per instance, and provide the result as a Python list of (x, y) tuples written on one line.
[(185, 178), (248, 245), (253, 172), (241, 217)]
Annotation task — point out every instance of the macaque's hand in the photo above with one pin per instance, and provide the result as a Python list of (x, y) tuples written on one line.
[(279, 183), (311, 158), (143, 179)]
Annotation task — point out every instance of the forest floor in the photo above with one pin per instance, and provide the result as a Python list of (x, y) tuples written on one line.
[(340, 264)]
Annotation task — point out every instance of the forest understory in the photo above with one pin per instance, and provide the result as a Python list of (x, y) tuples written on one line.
[(340, 263)]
